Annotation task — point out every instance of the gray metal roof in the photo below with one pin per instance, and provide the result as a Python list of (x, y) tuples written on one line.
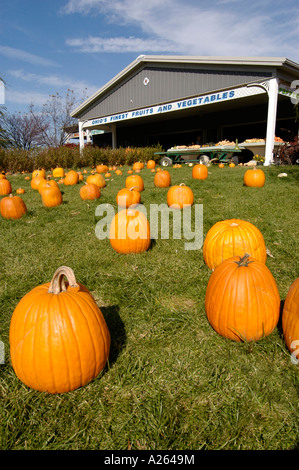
[(283, 63)]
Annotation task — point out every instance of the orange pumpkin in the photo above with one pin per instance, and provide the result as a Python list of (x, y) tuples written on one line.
[(97, 179), (5, 187), (135, 181), (12, 207), (221, 165), (51, 195), (233, 237), (39, 173), (58, 172), (180, 196), (101, 168), (130, 232), (290, 320), (20, 191), (254, 178), (232, 165), (71, 178), (36, 180), (151, 164), (89, 191), (200, 172), (44, 183), (59, 340), (128, 197), (162, 179), (242, 300), (138, 166)]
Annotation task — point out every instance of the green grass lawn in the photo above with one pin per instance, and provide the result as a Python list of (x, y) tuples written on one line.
[(172, 382)]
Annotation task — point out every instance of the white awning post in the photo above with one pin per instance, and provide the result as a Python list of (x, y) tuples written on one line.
[(271, 120), (81, 136)]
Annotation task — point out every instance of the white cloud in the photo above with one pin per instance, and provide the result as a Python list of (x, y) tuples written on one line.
[(215, 27), (19, 54), (25, 97)]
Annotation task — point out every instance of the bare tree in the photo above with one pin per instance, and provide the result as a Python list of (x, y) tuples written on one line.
[(22, 130)]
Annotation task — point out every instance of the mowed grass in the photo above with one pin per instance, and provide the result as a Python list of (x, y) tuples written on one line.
[(171, 382)]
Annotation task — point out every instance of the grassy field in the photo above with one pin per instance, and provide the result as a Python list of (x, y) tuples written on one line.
[(172, 382)]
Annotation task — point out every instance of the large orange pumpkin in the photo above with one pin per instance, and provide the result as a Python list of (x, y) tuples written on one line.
[(200, 172), (138, 166), (128, 197), (135, 181), (151, 164), (41, 173), (162, 179), (290, 320), (97, 179), (130, 232), (36, 180), (44, 183), (5, 187), (242, 300), (12, 207), (254, 178), (89, 191), (71, 178), (59, 340), (101, 168), (58, 172), (51, 195), (233, 237), (180, 196)]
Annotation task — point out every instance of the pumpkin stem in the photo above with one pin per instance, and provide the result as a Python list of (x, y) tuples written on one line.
[(244, 261), (57, 284)]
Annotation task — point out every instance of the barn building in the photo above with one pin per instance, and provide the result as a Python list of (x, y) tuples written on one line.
[(182, 100)]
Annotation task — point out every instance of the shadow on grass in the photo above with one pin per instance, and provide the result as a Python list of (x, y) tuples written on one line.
[(117, 331)]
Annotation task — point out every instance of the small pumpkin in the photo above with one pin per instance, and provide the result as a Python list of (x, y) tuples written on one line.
[(233, 237), (130, 232), (71, 178), (290, 320), (254, 178), (5, 187), (20, 191), (12, 207), (51, 195), (59, 340), (200, 172), (232, 165), (221, 165), (162, 179), (97, 179), (89, 191), (242, 300), (138, 166), (180, 196), (135, 181)]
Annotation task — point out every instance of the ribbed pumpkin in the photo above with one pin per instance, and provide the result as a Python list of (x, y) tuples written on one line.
[(58, 172), (128, 197), (200, 172), (242, 300), (89, 191), (44, 183), (135, 181), (97, 179), (59, 340), (162, 179), (290, 320), (151, 164), (12, 207), (51, 195), (36, 180), (71, 178), (101, 168), (233, 237), (180, 196), (5, 187), (254, 178), (41, 173), (130, 232)]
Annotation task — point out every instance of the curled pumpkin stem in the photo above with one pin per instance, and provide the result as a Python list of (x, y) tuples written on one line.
[(58, 284)]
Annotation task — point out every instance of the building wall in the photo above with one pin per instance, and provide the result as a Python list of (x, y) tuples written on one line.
[(167, 84)]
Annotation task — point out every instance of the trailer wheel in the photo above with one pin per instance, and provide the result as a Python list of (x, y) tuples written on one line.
[(235, 159), (204, 159), (166, 161)]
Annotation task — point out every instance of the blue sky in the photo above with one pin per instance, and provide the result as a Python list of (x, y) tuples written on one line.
[(48, 47)]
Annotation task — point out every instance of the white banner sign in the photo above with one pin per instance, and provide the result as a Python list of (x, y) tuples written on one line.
[(202, 100)]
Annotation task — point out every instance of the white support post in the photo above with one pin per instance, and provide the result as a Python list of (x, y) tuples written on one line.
[(81, 136), (271, 120), (114, 140)]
